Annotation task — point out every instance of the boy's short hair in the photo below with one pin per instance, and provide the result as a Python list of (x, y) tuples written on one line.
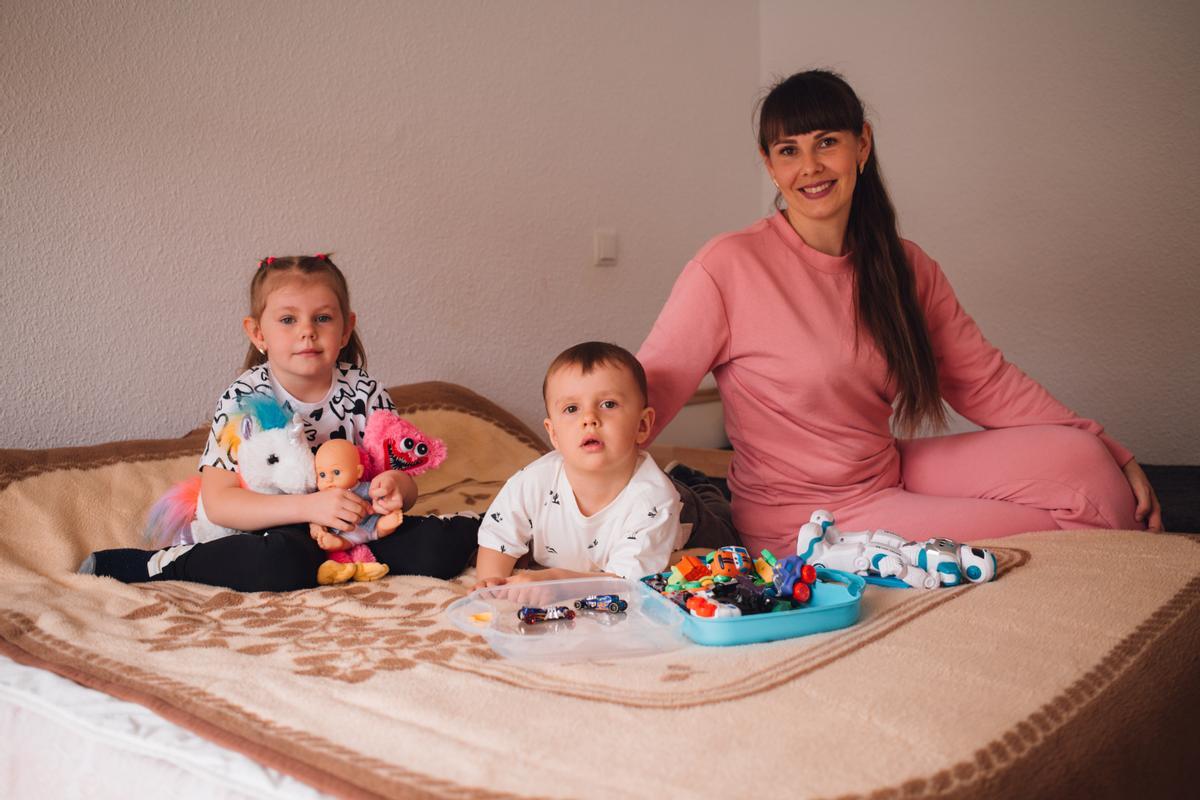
[(589, 355)]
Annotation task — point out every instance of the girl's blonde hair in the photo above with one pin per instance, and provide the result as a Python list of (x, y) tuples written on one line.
[(269, 273)]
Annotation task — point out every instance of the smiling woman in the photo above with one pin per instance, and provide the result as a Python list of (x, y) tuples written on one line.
[(823, 328), (816, 174)]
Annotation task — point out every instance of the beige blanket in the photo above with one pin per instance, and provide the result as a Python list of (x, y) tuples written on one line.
[(1078, 670)]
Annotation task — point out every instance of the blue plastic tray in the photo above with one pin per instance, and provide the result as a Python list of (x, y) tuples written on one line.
[(834, 604)]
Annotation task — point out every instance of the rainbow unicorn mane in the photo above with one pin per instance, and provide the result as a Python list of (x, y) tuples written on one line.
[(266, 411), (260, 412), (178, 516), (170, 519)]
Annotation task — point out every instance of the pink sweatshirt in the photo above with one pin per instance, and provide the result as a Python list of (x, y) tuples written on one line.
[(808, 417)]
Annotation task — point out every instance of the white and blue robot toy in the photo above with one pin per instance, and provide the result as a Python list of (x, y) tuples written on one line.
[(890, 559)]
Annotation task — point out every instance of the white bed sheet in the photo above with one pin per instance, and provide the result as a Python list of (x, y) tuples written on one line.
[(62, 740)]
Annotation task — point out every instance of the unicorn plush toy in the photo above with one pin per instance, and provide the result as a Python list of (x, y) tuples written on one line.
[(272, 456)]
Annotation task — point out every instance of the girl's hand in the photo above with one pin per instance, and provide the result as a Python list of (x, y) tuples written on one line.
[(390, 491), (340, 509), (1148, 508)]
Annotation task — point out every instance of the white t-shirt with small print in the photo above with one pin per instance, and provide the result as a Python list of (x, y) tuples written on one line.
[(632, 536)]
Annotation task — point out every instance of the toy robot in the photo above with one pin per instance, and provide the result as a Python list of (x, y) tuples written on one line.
[(928, 564)]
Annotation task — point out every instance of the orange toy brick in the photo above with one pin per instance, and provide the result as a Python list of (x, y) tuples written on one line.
[(692, 568)]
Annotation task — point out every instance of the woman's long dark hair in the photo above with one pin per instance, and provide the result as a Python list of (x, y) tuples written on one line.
[(884, 287)]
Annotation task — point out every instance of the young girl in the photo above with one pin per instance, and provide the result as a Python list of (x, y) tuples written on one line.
[(305, 353)]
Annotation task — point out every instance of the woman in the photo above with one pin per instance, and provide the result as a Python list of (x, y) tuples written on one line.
[(819, 321)]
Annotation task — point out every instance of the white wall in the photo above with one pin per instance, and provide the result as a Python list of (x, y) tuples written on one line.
[(456, 156), (1047, 155)]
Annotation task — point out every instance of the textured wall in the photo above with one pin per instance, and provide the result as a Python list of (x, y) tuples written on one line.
[(456, 156), (1046, 154)]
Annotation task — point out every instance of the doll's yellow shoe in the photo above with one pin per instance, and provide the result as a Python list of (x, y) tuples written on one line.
[(335, 572), (370, 572)]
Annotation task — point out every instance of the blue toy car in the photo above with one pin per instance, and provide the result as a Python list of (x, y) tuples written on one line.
[(531, 615), (794, 579), (611, 603)]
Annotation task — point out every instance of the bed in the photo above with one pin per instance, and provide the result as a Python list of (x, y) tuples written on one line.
[(1076, 672)]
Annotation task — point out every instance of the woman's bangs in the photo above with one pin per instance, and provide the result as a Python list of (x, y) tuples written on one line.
[(804, 107)]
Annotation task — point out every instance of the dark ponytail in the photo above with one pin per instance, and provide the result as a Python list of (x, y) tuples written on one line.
[(885, 291)]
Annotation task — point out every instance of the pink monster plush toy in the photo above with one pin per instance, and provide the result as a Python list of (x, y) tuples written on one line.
[(392, 442)]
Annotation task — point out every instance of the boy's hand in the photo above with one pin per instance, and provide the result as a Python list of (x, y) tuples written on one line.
[(522, 589), (492, 567), (335, 508), (484, 583), (557, 574), (535, 575), (389, 491)]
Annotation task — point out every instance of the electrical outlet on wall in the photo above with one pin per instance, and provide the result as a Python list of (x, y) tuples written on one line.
[(605, 248)]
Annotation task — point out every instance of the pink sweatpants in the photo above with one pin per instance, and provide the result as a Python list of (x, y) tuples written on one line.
[(996, 483)]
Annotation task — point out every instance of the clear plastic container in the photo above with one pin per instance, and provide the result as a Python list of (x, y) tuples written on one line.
[(646, 626)]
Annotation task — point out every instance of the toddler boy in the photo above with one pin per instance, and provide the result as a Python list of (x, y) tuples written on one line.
[(597, 503)]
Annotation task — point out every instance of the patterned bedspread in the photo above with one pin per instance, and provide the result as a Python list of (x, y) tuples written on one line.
[(1077, 671)]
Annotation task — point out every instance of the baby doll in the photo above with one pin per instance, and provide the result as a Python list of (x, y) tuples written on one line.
[(339, 465)]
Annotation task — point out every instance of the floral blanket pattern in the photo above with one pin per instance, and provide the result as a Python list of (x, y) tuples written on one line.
[(1075, 671)]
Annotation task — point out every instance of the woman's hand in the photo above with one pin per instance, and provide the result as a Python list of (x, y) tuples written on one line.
[(340, 509), (1148, 508)]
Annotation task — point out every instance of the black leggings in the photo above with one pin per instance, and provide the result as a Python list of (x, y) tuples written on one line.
[(286, 558)]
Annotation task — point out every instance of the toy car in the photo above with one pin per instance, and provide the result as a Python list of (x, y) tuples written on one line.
[(748, 598), (611, 603), (794, 579), (531, 615)]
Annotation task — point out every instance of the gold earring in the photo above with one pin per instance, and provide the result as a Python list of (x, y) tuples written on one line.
[(861, 167), (262, 351)]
